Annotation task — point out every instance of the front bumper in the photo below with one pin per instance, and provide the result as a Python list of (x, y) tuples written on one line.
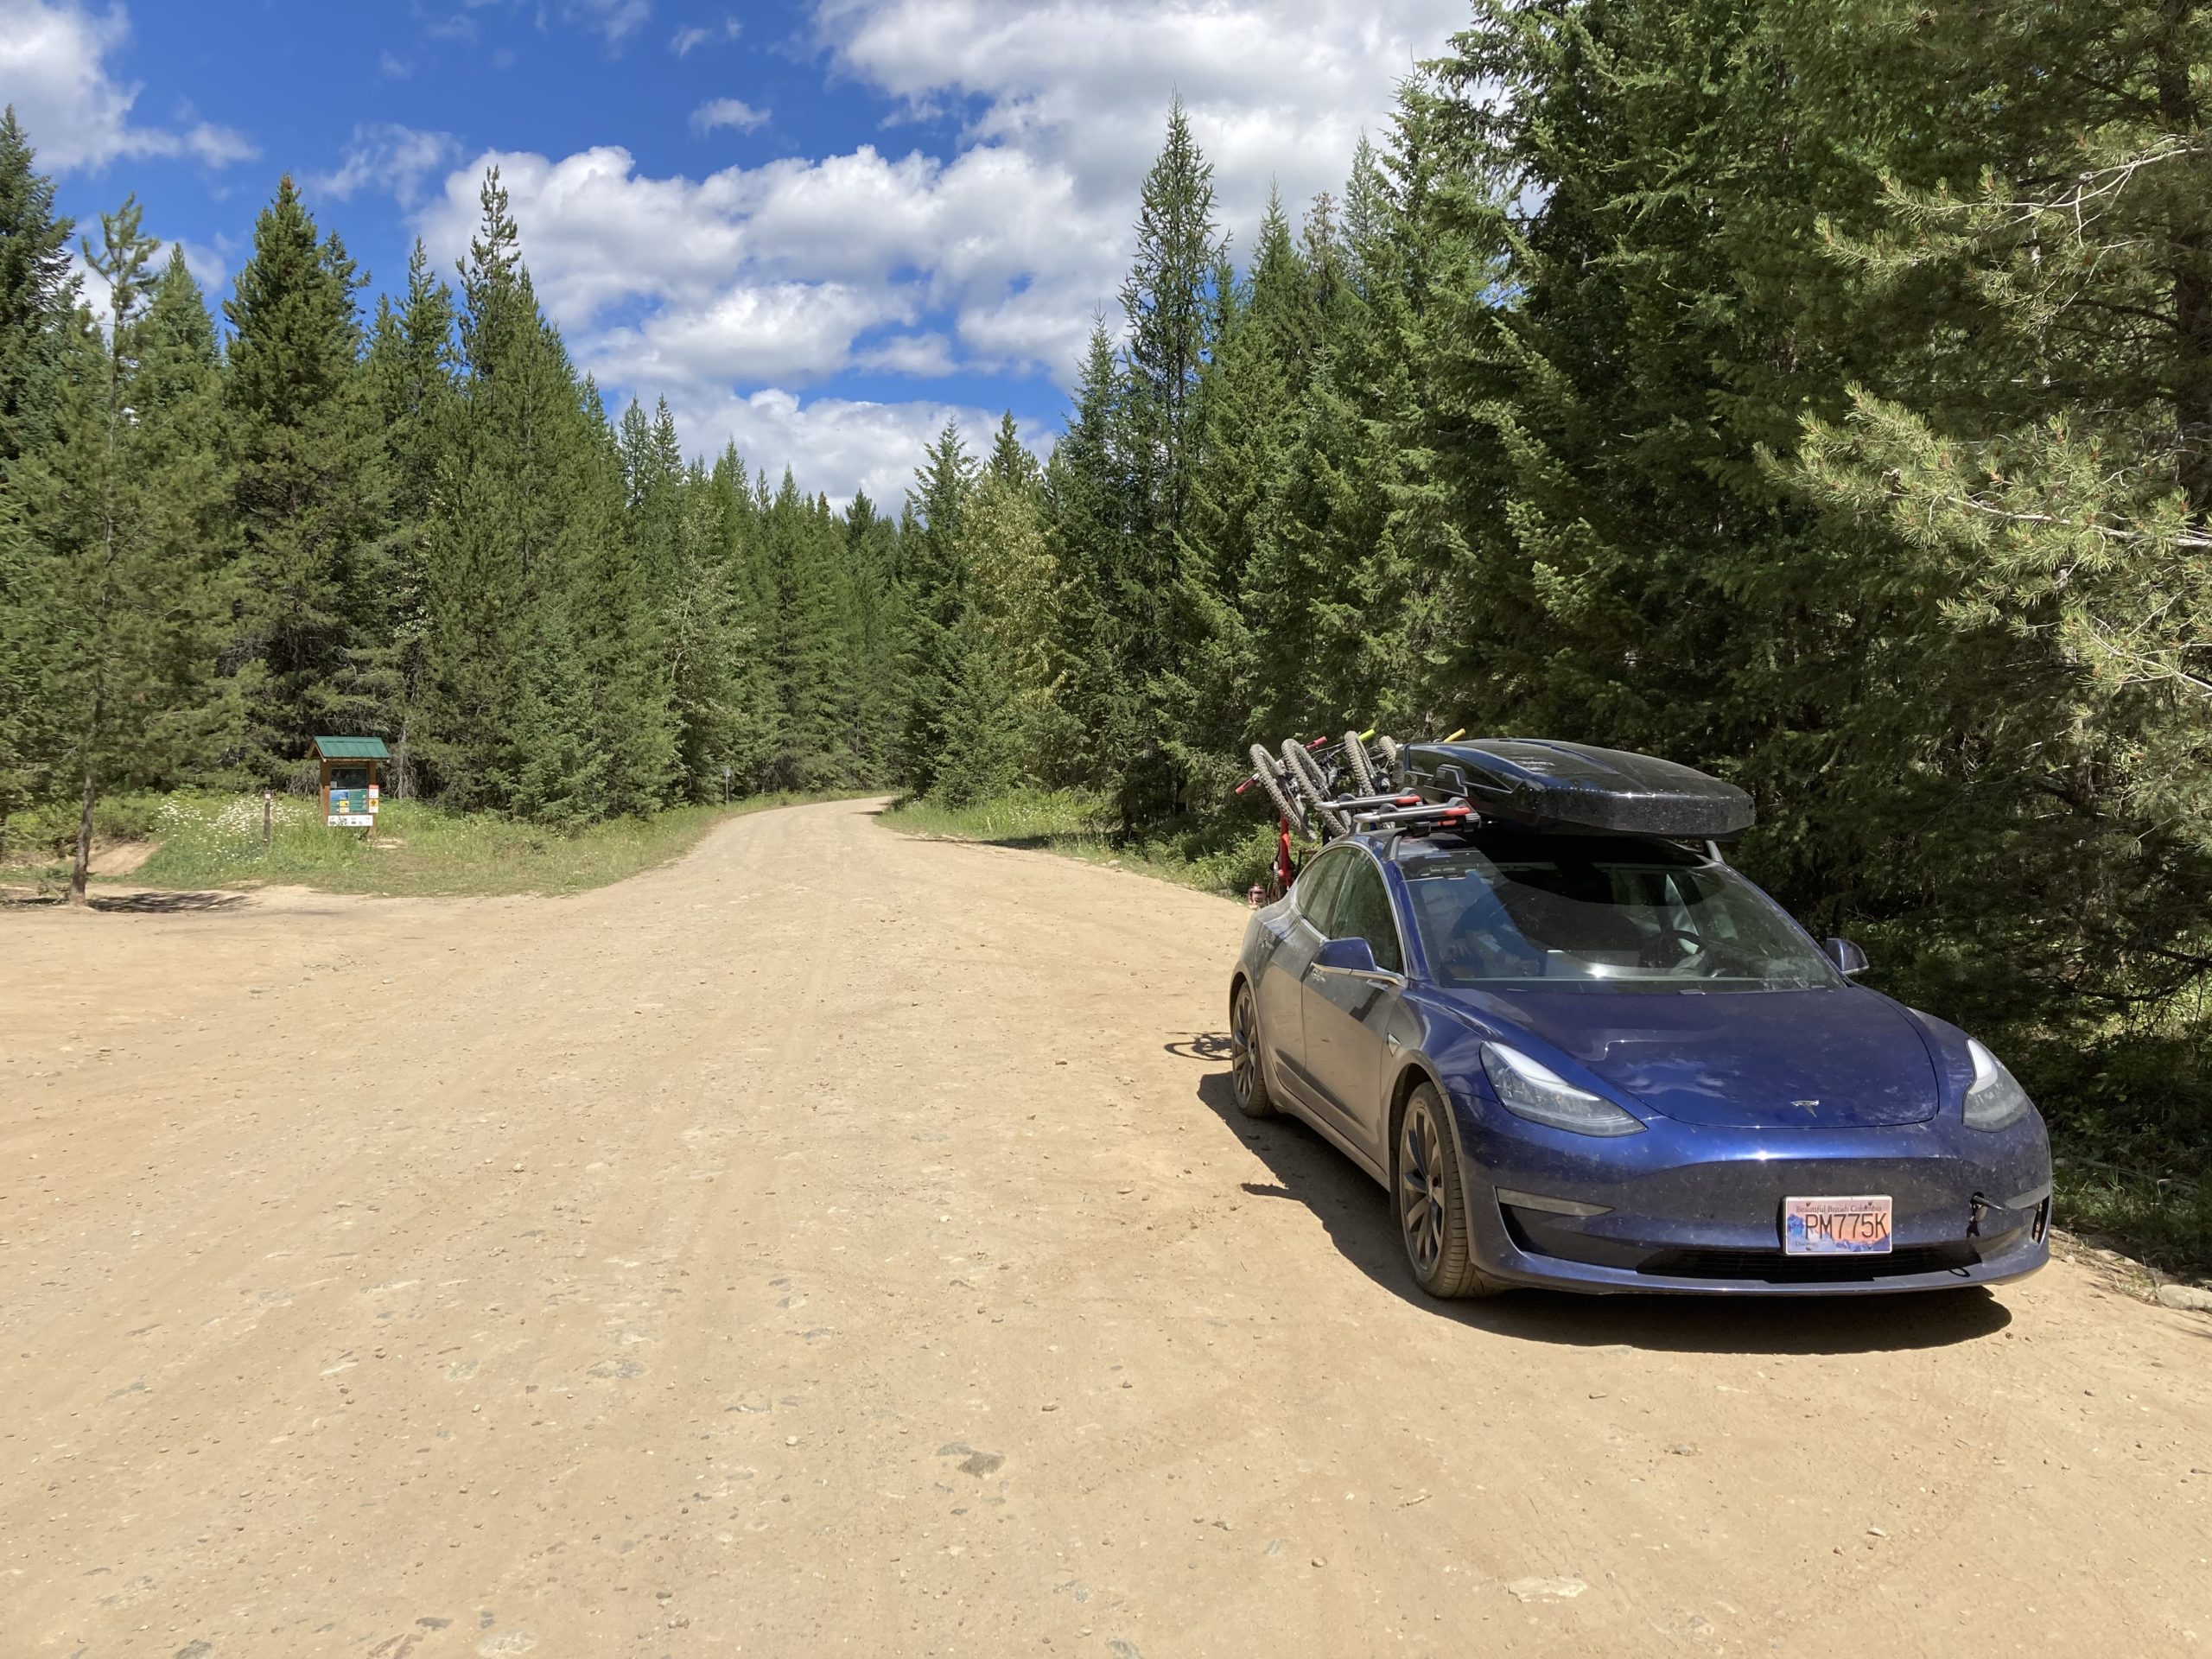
[(1691, 1208)]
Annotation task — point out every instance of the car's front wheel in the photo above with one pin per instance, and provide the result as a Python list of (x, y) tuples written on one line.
[(1432, 1202), (1248, 1078)]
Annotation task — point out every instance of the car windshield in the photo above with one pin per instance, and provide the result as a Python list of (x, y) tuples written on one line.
[(1559, 912)]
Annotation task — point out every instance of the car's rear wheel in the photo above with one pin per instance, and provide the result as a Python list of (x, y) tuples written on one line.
[(1433, 1202), (1248, 1078)]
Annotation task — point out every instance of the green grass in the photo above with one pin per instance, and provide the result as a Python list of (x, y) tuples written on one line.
[(2165, 1222), (214, 840), (1078, 825)]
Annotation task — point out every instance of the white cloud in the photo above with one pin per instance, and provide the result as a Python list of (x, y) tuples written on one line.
[(688, 39), (1275, 93), (53, 68), (993, 258), (728, 112), (389, 159), (832, 445), (924, 354), (989, 236), (783, 331), (615, 19)]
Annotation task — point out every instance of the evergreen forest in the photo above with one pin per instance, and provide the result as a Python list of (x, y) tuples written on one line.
[(1817, 393)]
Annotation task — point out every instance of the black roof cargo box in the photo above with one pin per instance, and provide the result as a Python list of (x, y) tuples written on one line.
[(1538, 783)]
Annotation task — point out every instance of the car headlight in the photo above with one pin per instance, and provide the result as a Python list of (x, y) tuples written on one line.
[(1534, 1091), (1994, 1098)]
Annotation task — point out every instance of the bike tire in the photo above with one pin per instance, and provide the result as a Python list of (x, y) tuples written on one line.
[(1387, 748), (1269, 769), (1305, 771), (1356, 758)]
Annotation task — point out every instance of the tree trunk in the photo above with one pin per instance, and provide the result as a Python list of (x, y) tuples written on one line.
[(83, 869)]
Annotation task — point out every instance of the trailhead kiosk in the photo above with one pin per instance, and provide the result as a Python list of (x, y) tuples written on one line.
[(353, 779)]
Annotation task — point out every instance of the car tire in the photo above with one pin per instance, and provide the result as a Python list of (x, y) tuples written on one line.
[(1431, 1201), (1248, 1073)]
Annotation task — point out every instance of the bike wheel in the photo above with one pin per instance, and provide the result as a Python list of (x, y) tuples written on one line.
[(1270, 773), (1387, 748), (1356, 759), (1305, 771)]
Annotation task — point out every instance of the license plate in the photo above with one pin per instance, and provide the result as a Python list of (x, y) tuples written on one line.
[(1836, 1226)]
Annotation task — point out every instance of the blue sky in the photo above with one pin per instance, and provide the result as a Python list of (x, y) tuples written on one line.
[(817, 227)]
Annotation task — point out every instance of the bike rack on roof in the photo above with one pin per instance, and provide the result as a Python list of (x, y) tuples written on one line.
[(1536, 784)]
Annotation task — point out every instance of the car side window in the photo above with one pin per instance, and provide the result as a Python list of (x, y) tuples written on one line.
[(1361, 911), (1316, 890)]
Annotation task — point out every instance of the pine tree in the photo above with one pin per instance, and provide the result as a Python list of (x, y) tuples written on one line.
[(1000, 649), (1179, 299), (411, 368), (1167, 298), (1092, 517), (1270, 339), (37, 296), (615, 593), (705, 641), (498, 568), (935, 605), (37, 326), (120, 507), (543, 636), (880, 688), (730, 517), (310, 484), (2035, 442), (807, 634), (1339, 595)]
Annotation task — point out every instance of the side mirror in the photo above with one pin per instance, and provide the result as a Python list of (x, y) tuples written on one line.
[(1353, 956), (1846, 955)]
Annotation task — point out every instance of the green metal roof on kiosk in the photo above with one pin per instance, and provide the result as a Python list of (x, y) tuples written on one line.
[(351, 748)]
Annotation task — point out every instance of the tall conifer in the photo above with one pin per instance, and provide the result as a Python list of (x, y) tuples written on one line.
[(315, 594), (121, 508)]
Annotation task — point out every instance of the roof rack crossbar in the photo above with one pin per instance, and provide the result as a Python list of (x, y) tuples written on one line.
[(1441, 815)]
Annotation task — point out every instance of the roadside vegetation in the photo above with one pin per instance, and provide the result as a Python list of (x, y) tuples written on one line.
[(1221, 856), (202, 840)]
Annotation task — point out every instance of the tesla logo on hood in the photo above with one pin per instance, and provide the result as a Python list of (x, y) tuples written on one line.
[(1806, 1105)]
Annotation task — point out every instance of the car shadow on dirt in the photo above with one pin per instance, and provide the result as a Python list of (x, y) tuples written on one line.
[(1355, 1212)]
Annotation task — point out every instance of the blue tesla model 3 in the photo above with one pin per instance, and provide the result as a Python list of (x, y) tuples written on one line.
[(1608, 1062)]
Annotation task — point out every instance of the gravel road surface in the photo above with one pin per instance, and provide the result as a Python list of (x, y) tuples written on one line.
[(836, 1242)]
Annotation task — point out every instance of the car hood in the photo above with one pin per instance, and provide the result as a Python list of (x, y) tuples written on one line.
[(1838, 1058)]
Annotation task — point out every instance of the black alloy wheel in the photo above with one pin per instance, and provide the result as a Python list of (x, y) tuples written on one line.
[(1247, 1077), (1433, 1202)]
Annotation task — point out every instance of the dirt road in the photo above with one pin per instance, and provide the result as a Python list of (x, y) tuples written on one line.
[(841, 1244)]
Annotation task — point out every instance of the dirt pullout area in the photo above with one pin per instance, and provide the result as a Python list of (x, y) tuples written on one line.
[(840, 1244)]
